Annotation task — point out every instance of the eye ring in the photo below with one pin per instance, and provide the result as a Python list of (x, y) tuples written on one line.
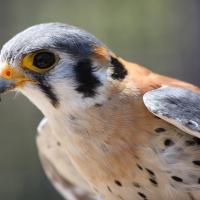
[(40, 61)]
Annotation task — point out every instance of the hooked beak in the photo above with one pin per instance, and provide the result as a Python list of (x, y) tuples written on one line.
[(11, 78)]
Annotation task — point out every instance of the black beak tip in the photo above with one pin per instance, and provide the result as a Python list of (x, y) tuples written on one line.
[(6, 85)]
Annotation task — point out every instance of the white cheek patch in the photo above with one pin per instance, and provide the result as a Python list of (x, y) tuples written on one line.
[(63, 84), (37, 97)]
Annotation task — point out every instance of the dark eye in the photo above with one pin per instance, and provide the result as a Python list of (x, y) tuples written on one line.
[(44, 60)]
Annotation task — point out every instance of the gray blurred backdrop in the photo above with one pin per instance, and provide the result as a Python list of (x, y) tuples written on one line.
[(161, 34)]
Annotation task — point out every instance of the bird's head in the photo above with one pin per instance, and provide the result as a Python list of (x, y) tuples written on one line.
[(58, 65)]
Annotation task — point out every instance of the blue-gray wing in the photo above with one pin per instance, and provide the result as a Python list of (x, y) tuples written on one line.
[(178, 106)]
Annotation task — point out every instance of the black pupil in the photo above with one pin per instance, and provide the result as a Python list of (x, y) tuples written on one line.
[(44, 60)]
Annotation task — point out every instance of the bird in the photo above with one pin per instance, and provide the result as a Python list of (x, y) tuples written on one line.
[(112, 129)]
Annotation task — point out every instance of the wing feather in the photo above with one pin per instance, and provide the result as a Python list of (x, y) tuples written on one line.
[(178, 106)]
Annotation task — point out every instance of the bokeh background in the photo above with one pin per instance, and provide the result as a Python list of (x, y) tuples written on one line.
[(161, 34)]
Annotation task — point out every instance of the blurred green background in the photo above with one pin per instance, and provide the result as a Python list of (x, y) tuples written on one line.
[(161, 34)]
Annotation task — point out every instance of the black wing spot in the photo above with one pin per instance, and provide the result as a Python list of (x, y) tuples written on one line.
[(87, 81), (119, 71)]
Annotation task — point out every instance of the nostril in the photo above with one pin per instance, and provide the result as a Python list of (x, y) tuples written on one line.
[(6, 73)]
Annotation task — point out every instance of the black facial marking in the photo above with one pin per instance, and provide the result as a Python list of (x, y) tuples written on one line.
[(48, 90), (87, 81), (142, 195), (109, 189), (159, 130), (150, 172), (119, 71), (118, 183), (168, 142), (153, 181), (139, 167), (196, 162), (177, 179)]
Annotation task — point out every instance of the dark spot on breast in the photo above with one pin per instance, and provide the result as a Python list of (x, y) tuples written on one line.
[(95, 189), (142, 195), (150, 172), (198, 180), (177, 179), (120, 197), (179, 149), (86, 79), (71, 117), (119, 71), (190, 142), (196, 162), (139, 167), (136, 157), (137, 185), (109, 189), (118, 183), (159, 130), (58, 143), (168, 142), (153, 181), (98, 105), (191, 196)]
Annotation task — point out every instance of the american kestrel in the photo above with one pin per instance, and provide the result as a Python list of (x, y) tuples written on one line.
[(112, 129)]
